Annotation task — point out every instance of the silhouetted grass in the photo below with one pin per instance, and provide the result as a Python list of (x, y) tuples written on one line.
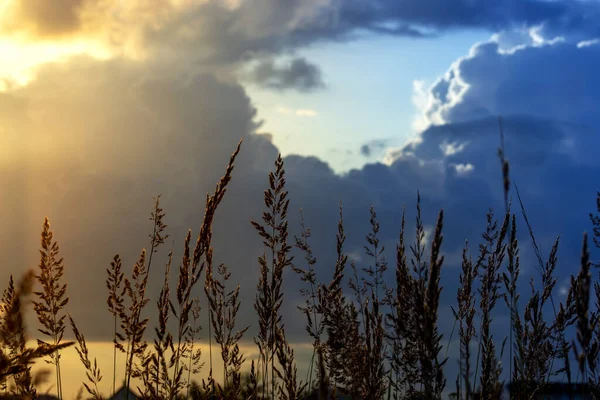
[(372, 339)]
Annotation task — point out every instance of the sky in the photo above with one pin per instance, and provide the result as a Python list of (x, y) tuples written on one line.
[(107, 103)]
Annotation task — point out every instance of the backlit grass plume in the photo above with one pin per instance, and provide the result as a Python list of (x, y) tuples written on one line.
[(269, 298), (15, 357), (52, 298)]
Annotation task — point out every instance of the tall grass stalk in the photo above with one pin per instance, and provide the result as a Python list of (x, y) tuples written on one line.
[(52, 297), (274, 232)]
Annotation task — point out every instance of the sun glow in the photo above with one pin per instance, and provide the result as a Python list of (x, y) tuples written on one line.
[(19, 60)]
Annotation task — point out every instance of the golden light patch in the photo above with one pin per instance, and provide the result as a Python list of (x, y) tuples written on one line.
[(34, 32), (36, 20), (47, 18), (72, 368), (19, 60)]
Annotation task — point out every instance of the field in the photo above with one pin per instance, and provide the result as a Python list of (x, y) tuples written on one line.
[(371, 338)]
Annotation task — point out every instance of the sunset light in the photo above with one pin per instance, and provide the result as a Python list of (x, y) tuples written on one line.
[(300, 199), (20, 60)]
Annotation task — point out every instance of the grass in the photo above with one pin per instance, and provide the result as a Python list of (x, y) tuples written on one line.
[(371, 337)]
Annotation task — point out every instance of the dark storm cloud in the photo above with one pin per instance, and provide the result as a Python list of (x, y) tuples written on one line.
[(221, 35), (365, 150), (373, 145), (442, 15), (299, 74), (532, 81), (215, 34), (94, 174), (545, 93)]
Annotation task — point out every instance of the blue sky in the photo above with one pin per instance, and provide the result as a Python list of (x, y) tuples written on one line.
[(368, 97), (104, 104)]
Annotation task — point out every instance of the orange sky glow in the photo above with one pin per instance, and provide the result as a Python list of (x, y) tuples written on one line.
[(73, 372), (35, 32)]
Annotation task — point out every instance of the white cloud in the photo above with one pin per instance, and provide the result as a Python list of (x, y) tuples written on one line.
[(453, 148), (563, 290), (301, 112), (422, 100), (394, 153), (586, 43), (463, 169), (543, 78), (305, 112), (283, 110)]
